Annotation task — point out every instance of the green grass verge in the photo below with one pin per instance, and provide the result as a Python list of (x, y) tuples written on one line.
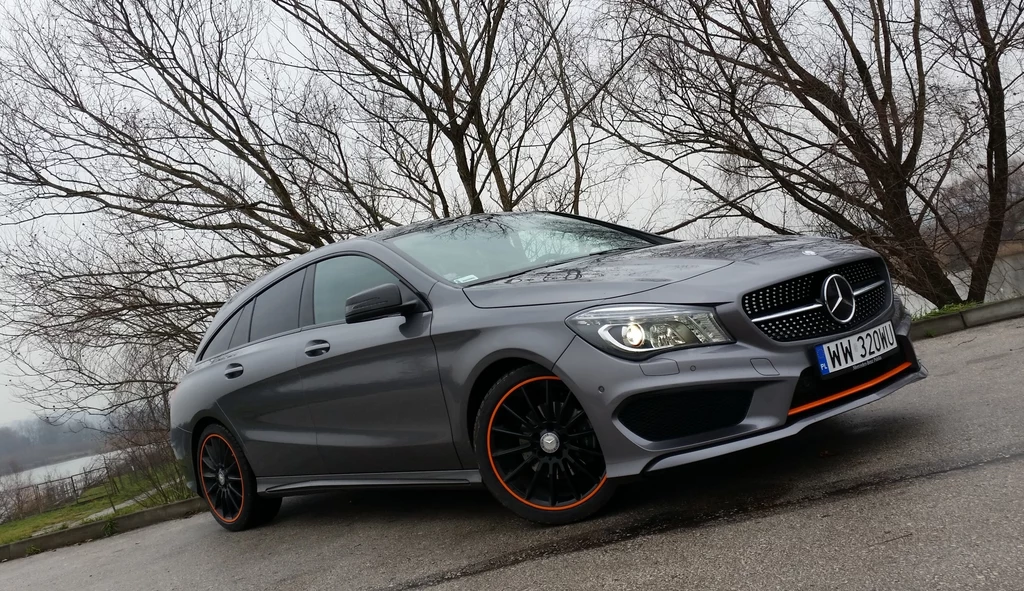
[(91, 501), (947, 309)]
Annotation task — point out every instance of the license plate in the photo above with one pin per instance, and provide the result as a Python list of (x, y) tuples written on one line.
[(859, 349)]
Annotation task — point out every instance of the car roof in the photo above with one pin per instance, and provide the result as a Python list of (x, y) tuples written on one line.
[(414, 227)]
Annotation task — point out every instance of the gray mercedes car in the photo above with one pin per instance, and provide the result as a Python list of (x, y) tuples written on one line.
[(545, 356)]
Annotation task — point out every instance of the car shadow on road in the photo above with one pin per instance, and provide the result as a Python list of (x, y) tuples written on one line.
[(828, 454)]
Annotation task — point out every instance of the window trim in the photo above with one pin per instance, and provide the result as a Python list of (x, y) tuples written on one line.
[(202, 358), (306, 293), (223, 326)]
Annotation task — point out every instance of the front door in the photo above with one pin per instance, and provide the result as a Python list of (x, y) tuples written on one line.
[(373, 387)]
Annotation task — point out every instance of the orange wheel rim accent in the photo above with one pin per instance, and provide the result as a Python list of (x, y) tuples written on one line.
[(206, 492), (494, 468)]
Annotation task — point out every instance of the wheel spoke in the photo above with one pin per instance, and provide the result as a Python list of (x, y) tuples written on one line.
[(208, 460), (547, 397), (568, 480), (575, 418), (217, 451), (551, 485), (579, 466), (519, 468), (235, 495), (582, 433), (533, 483), (565, 405), (577, 448), (513, 450), (531, 406), (516, 415), (510, 432)]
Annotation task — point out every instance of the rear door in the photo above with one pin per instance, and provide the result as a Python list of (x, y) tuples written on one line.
[(373, 387), (263, 397)]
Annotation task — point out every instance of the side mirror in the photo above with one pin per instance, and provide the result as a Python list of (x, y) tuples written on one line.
[(376, 302)]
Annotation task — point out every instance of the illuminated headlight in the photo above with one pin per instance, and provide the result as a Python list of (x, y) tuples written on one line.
[(639, 331)]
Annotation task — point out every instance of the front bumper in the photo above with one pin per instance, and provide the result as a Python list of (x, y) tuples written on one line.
[(767, 374)]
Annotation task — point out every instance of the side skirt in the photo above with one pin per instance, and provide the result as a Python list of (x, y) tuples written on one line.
[(299, 485)]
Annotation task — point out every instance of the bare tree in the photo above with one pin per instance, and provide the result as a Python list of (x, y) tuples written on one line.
[(479, 99), (984, 44), (832, 106), (157, 155)]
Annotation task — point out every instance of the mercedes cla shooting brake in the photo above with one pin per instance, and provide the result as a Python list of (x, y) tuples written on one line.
[(545, 356)]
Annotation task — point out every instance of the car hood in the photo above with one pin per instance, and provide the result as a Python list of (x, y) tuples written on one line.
[(621, 274)]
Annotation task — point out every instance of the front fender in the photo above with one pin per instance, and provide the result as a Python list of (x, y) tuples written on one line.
[(537, 334)]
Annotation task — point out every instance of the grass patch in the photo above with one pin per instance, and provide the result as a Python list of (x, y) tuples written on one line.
[(947, 309), (91, 501)]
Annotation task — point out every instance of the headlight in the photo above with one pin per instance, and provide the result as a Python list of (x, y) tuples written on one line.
[(638, 331)]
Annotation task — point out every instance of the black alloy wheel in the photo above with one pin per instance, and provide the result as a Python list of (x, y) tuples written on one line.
[(541, 448), (228, 484), (222, 478)]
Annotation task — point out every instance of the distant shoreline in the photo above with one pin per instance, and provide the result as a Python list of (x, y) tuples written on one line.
[(5, 468)]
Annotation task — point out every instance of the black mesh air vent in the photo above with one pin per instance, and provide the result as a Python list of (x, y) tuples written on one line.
[(675, 414)]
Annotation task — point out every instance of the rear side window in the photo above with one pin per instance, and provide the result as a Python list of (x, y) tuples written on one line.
[(242, 328), (222, 340), (341, 277), (277, 309)]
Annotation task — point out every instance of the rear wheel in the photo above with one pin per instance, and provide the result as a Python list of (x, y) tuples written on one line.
[(537, 450), (228, 484)]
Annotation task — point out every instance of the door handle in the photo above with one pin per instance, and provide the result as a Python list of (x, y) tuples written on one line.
[(317, 348), (233, 370)]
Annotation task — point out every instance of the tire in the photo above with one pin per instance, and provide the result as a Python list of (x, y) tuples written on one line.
[(548, 480), (228, 484)]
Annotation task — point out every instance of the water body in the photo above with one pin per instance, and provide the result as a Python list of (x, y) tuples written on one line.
[(62, 469)]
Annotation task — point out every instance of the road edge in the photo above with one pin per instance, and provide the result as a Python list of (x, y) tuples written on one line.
[(101, 529), (957, 321)]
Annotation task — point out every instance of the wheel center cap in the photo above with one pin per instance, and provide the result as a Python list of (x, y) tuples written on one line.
[(549, 442), (221, 477)]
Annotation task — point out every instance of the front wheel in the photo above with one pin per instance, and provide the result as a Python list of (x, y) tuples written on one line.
[(228, 483), (537, 450)]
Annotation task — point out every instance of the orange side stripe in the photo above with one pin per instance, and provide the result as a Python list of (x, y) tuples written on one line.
[(853, 390)]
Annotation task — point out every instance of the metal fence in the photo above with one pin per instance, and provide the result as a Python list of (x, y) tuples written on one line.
[(18, 500)]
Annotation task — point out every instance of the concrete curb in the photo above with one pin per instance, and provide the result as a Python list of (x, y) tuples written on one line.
[(957, 321), (99, 529)]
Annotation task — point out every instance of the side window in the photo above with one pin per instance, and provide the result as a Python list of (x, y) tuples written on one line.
[(338, 278), (221, 341), (277, 309), (241, 336)]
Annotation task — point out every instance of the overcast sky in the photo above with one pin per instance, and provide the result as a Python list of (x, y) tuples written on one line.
[(10, 409)]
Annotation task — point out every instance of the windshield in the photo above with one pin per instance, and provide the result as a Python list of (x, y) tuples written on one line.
[(476, 249)]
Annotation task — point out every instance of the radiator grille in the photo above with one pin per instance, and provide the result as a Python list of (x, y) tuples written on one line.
[(776, 309)]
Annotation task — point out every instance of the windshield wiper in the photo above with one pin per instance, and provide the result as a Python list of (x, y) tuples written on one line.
[(553, 263)]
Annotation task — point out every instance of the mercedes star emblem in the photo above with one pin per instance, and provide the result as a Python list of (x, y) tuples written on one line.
[(837, 293)]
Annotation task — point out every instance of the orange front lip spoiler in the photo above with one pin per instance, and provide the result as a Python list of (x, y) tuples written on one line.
[(853, 390)]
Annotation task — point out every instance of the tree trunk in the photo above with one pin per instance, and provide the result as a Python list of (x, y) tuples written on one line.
[(997, 161)]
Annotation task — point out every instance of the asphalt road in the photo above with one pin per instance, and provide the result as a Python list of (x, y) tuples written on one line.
[(922, 490)]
